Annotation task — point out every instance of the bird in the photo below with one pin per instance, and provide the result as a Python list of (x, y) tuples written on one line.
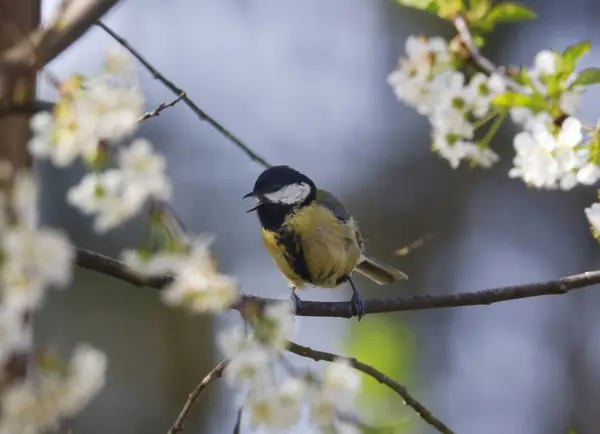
[(311, 237)]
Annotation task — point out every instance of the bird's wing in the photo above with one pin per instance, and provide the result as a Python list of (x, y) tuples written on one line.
[(333, 204), (338, 209)]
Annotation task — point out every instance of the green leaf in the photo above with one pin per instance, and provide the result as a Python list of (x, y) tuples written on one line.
[(477, 9), (449, 8), (570, 56), (424, 5), (524, 78), (587, 76), (509, 12), (514, 99), (574, 52)]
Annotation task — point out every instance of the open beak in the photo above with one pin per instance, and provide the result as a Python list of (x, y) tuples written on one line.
[(258, 198)]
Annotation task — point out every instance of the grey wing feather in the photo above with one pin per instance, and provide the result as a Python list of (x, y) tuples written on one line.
[(334, 204), (339, 210)]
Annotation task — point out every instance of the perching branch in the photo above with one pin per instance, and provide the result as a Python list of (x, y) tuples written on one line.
[(421, 410), (114, 268), (193, 397), (191, 104)]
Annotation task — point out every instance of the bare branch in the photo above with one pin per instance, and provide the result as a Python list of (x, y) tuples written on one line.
[(25, 109), (178, 91), (160, 108), (421, 410), (193, 397), (48, 42), (114, 268)]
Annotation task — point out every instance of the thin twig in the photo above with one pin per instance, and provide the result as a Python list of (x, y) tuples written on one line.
[(114, 268), (176, 90), (160, 108), (409, 400), (193, 397), (486, 64), (238, 421)]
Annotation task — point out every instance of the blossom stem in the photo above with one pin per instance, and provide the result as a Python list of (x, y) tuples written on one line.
[(484, 143), (484, 120), (409, 400)]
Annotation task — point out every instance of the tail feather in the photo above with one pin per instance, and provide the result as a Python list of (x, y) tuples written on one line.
[(379, 272)]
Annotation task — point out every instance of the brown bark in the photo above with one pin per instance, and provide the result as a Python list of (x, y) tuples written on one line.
[(17, 19)]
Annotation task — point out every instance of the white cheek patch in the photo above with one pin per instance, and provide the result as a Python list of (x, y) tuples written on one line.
[(290, 194)]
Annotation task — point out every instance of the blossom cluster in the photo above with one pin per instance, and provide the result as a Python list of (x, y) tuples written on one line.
[(33, 259), (197, 283), (548, 155), (428, 81), (92, 119), (276, 405), (553, 150)]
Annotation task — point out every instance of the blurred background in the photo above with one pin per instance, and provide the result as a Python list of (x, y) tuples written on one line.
[(304, 83)]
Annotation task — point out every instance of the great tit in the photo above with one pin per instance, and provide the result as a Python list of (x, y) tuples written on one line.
[(310, 235)]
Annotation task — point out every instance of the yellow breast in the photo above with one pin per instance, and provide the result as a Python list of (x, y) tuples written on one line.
[(329, 247)]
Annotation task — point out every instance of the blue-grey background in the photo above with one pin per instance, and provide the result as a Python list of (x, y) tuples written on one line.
[(302, 82)]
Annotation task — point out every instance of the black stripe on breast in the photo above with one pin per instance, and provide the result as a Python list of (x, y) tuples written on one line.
[(294, 255)]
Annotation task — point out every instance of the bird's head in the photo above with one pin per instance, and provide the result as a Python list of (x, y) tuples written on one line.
[(283, 188)]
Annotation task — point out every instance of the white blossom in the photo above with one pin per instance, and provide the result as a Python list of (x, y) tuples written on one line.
[(281, 320), (411, 82), (24, 200), (448, 146), (249, 364), (33, 260), (152, 265), (545, 160), (482, 156), (61, 145), (570, 100), (337, 392), (545, 63), (588, 174), (101, 108), (109, 197), (198, 284), (14, 337), (118, 61), (109, 109), (145, 169), (276, 408), (482, 90), (85, 379), (593, 215), (39, 402)]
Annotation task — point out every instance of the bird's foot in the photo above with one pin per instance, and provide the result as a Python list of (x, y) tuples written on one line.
[(358, 307), (296, 301)]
